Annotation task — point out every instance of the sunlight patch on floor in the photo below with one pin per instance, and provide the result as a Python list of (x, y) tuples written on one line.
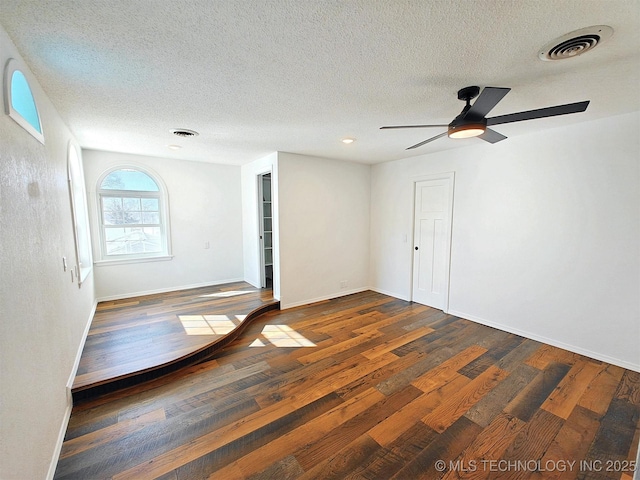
[(282, 336), (231, 293), (208, 324)]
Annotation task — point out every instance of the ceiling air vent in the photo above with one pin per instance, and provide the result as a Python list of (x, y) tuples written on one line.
[(575, 43), (183, 132)]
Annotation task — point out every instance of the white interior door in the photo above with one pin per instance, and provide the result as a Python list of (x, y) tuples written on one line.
[(432, 241)]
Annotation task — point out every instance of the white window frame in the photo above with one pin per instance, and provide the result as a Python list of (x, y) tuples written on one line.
[(79, 213), (161, 195)]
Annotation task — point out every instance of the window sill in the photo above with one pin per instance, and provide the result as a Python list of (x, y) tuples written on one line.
[(125, 261)]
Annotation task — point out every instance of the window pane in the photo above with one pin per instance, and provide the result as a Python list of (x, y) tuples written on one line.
[(22, 100), (132, 217), (124, 241), (150, 218), (131, 204), (129, 179), (115, 241), (112, 210), (113, 218), (112, 204), (150, 204), (153, 239)]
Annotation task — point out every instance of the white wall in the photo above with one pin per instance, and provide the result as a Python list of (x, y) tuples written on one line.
[(205, 205), (323, 227), (43, 314), (546, 234)]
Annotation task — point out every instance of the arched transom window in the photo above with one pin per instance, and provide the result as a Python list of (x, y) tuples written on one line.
[(19, 102)]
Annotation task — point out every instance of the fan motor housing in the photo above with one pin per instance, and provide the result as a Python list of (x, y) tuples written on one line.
[(468, 93)]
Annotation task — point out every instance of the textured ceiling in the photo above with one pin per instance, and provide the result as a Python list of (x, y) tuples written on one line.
[(258, 76)]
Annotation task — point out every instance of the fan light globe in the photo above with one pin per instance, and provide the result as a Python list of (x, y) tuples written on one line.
[(466, 131)]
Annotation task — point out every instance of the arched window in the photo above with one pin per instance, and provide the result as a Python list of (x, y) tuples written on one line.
[(80, 214), (133, 219), (19, 102)]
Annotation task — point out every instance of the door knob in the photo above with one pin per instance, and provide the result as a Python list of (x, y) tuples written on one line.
[(416, 248)]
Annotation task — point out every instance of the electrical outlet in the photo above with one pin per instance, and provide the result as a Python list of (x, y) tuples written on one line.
[(344, 284), (206, 245)]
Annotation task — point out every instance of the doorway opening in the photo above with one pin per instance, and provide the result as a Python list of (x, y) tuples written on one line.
[(266, 229)]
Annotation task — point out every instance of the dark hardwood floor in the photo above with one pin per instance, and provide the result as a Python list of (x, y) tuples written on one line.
[(366, 386)]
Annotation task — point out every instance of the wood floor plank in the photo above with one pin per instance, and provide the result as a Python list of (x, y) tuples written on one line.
[(568, 392), (105, 435), (530, 444), (442, 373), (629, 388), (390, 345), (571, 442), (494, 353), (392, 427), (398, 453), (341, 464), (599, 392), (525, 404), (352, 428), (308, 433), (493, 402), (614, 437), (288, 467), (446, 447), (516, 357), (340, 347), (461, 401), (219, 457), (546, 355), (490, 443)]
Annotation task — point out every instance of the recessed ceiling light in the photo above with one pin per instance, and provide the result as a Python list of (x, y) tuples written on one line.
[(174, 147), (348, 140)]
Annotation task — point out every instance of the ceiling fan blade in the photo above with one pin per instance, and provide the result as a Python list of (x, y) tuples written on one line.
[(488, 99), (412, 126), (491, 136), (539, 113), (427, 141)]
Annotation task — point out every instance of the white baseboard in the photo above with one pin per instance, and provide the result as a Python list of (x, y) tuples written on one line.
[(341, 293), (391, 294), (85, 333), (168, 289), (67, 414), (61, 435), (549, 341)]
